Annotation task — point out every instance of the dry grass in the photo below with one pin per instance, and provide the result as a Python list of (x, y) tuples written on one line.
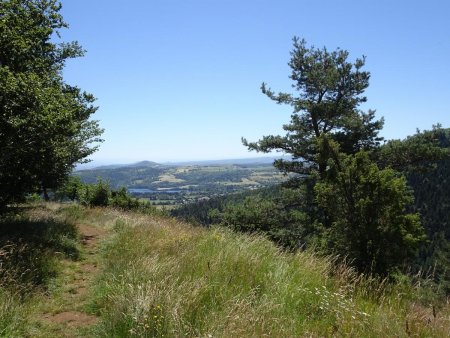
[(166, 278), (163, 278)]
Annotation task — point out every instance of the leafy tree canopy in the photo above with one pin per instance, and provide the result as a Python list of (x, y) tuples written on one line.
[(44, 123), (361, 198), (417, 153)]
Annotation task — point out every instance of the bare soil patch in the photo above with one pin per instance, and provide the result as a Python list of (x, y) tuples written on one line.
[(72, 319), (88, 268), (90, 235)]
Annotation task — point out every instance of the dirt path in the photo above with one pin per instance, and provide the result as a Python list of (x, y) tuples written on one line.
[(65, 314)]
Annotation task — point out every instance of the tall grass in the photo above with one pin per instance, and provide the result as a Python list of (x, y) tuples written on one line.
[(165, 278), (32, 242), (13, 313)]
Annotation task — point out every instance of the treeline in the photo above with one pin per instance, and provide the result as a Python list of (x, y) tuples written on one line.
[(432, 201), (136, 177), (286, 213), (100, 194)]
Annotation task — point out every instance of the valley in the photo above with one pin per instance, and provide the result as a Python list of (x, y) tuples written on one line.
[(172, 185)]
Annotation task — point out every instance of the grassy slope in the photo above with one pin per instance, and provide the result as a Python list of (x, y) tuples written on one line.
[(166, 278), (161, 277), (46, 272)]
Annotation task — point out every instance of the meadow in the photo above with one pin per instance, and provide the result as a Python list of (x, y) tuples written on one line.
[(101, 272)]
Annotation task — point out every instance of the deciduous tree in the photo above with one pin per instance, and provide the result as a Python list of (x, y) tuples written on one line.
[(45, 126)]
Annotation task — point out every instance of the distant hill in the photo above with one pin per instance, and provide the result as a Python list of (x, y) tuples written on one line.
[(236, 161), (141, 164), (174, 184), (135, 175)]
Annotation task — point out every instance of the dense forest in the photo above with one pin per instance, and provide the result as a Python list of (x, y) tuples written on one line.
[(432, 201)]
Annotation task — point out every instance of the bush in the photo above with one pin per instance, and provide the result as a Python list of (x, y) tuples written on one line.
[(122, 200), (281, 216), (367, 221), (99, 195)]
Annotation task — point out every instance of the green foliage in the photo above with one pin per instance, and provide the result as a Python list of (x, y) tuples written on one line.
[(366, 214), (432, 201), (208, 211), (330, 91), (204, 212), (97, 194), (121, 199), (70, 189), (44, 127), (101, 195), (280, 218), (417, 153), (361, 207)]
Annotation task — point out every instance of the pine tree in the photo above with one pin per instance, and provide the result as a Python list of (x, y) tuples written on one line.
[(330, 90)]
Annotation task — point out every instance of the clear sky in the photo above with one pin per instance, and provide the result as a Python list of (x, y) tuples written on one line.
[(180, 79)]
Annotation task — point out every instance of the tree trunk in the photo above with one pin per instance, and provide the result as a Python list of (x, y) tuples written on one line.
[(44, 190), (322, 170)]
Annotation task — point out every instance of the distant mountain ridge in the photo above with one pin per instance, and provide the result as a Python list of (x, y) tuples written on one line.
[(236, 161), (151, 164), (141, 164), (188, 181)]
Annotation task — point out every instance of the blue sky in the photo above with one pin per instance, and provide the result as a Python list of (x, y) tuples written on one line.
[(179, 80)]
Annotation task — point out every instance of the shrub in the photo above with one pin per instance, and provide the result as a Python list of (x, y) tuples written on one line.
[(366, 214)]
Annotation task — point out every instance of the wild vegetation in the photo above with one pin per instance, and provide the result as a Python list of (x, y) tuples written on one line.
[(354, 200), (432, 201), (152, 276), (45, 124), (34, 243), (343, 246), (100, 194)]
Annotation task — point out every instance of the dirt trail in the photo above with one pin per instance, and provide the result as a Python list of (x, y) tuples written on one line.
[(65, 315)]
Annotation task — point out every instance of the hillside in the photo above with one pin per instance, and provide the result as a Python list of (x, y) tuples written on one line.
[(432, 201), (178, 184), (132, 275)]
